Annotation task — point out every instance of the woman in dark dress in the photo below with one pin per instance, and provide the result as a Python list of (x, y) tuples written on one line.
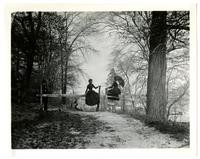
[(92, 97), (114, 90)]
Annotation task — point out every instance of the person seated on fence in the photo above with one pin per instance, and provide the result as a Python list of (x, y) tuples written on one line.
[(114, 91), (92, 97), (45, 91)]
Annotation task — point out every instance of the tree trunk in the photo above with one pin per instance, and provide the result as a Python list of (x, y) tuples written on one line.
[(156, 91), (62, 75), (30, 55), (65, 81), (129, 88)]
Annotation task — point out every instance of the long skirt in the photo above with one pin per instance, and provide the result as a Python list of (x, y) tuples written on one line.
[(114, 93), (92, 98)]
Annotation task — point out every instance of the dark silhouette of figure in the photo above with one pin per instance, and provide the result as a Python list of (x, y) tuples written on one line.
[(92, 97), (114, 90)]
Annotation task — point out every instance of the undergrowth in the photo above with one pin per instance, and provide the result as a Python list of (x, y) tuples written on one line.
[(178, 130)]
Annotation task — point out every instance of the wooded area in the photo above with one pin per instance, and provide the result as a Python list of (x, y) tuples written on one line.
[(152, 56), (155, 54), (46, 46)]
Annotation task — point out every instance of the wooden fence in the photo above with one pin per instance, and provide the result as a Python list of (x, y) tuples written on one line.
[(105, 103)]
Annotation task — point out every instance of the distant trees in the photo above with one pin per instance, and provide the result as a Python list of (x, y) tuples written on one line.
[(131, 55), (111, 76), (72, 29)]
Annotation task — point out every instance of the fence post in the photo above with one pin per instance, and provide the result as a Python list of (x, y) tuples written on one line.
[(99, 97), (133, 102), (104, 102)]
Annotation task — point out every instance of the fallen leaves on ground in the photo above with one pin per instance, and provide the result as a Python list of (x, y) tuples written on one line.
[(55, 130)]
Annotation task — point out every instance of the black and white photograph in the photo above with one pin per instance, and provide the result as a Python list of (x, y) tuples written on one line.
[(100, 79)]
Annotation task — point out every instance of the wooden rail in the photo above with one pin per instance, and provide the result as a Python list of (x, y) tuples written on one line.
[(59, 95)]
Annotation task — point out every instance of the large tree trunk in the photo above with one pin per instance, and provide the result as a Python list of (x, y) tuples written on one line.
[(31, 54), (156, 92), (29, 57), (32, 36)]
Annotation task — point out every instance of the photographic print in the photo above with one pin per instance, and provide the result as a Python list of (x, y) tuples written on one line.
[(100, 79)]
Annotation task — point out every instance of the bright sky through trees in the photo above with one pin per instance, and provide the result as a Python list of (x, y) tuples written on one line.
[(96, 65)]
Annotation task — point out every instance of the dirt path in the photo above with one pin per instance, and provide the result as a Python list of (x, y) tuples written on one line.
[(71, 129), (126, 132)]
